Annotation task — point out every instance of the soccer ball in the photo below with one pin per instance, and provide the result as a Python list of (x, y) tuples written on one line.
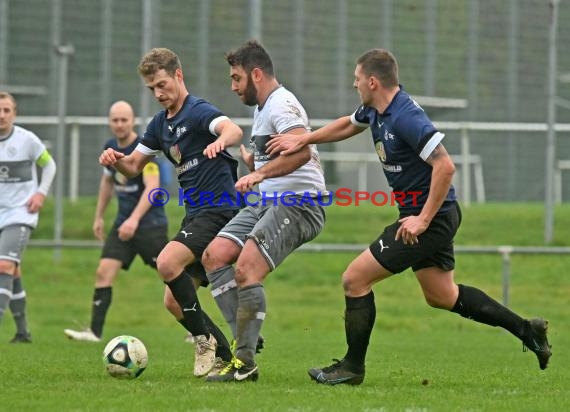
[(125, 357)]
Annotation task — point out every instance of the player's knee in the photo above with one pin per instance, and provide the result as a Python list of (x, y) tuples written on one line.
[(347, 283), (7, 266), (166, 269), (210, 259), (215, 257)]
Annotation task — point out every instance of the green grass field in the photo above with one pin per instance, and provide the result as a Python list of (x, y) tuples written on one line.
[(420, 359)]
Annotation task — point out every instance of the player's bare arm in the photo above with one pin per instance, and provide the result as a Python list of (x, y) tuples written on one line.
[(441, 176), (130, 166), (229, 134), (103, 199), (247, 158), (279, 166), (286, 144)]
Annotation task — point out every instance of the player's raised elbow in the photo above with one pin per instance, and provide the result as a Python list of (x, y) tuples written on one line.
[(449, 167)]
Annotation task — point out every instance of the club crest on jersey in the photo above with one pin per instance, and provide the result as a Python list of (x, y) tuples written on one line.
[(175, 153), (381, 152), (120, 178), (294, 109)]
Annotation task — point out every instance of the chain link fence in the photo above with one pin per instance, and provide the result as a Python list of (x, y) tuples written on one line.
[(491, 55)]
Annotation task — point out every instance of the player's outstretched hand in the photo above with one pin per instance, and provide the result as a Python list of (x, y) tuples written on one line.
[(214, 148), (284, 144), (109, 157), (247, 182)]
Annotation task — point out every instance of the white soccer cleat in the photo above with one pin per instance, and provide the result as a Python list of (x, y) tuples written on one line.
[(204, 354), (84, 335)]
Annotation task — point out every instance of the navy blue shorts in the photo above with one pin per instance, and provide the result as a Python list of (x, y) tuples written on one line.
[(435, 247), (147, 242)]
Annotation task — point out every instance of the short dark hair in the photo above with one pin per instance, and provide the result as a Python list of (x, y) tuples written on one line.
[(381, 64), (158, 59), (251, 55)]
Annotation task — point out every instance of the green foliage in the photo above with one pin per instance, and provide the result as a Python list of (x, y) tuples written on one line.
[(419, 359)]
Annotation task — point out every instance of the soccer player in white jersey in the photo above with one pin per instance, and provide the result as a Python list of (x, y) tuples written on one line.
[(264, 233), (414, 160), (21, 200)]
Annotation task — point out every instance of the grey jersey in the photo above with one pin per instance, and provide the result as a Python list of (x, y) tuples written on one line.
[(281, 113)]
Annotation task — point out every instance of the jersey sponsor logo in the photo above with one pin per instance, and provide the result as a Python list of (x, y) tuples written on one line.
[(392, 168), (127, 188), (186, 166), (259, 145), (180, 131), (388, 135), (15, 172)]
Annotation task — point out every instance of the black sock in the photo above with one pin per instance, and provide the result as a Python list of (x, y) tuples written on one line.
[(223, 349), (101, 301), (359, 318), (474, 304), (182, 289)]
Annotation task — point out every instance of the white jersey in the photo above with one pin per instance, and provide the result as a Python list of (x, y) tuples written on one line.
[(281, 113), (18, 176)]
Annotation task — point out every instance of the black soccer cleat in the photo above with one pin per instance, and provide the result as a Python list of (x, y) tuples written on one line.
[(22, 338), (339, 372), (536, 341), (236, 371)]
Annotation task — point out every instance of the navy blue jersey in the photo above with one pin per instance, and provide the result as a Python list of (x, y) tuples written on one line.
[(206, 183), (404, 137), (129, 191)]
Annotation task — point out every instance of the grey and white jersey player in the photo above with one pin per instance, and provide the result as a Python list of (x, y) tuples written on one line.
[(262, 235)]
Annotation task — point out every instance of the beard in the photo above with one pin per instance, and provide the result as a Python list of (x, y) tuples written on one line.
[(250, 93)]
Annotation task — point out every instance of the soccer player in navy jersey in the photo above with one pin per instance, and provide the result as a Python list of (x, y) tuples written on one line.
[(414, 160), (138, 229), (264, 233), (193, 134)]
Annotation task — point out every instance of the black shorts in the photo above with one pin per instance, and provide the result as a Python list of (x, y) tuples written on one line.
[(435, 247), (196, 233), (147, 242)]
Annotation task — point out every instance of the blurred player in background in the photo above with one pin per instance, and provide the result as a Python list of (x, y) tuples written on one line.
[(260, 237), (414, 160), (139, 228), (21, 200), (193, 135)]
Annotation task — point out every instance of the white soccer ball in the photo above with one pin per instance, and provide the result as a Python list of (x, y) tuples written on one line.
[(125, 357)]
